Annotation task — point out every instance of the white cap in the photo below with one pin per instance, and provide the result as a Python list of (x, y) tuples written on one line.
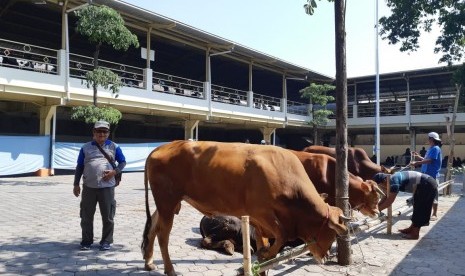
[(102, 124), (263, 142), (434, 135)]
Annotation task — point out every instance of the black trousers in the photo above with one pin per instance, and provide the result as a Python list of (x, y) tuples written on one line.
[(105, 197), (426, 192)]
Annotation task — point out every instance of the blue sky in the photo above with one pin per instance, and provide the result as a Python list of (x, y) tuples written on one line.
[(281, 28)]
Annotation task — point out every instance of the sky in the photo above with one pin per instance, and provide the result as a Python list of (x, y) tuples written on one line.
[(280, 28)]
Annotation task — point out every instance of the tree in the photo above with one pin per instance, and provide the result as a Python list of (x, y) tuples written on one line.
[(459, 80), (102, 25), (342, 175), (317, 94), (409, 18), (91, 114), (405, 24)]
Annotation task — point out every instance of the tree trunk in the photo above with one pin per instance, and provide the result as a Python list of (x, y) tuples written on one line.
[(94, 86), (315, 135), (451, 137), (342, 176)]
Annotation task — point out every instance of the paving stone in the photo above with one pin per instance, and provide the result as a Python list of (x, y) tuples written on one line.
[(45, 240)]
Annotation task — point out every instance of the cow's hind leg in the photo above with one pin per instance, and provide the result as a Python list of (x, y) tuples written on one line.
[(164, 225), (149, 240)]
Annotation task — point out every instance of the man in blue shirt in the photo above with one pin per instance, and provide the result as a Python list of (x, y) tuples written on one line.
[(431, 163), (99, 184), (424, 189)]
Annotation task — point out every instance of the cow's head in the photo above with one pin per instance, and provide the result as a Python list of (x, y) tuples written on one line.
[(371, 196), (334, 225)]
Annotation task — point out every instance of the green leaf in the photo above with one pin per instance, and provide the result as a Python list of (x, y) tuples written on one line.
[(91, 114)]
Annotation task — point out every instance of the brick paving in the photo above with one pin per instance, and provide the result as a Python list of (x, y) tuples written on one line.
[(40, 235)]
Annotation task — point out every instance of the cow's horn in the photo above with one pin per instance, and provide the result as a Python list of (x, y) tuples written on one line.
[(344, 218), (379, 191)]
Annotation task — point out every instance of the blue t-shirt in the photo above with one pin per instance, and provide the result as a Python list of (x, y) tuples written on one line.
[(432, 169)]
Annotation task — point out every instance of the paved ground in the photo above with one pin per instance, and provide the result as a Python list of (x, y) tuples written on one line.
[(40, 233)]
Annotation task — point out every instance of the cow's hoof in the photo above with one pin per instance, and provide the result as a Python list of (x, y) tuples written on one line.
[(229, 248), (149, 267), (172, 273)]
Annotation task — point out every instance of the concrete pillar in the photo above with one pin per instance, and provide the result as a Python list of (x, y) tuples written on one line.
[(250, 99), (191, 130), (267, 132), (413, 139), (148, 79), (62, 62), (46, 113)]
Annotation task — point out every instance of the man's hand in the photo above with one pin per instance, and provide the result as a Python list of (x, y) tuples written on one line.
[(108, 174), (77, 190)]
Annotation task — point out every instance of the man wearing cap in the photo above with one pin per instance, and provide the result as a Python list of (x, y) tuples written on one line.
[(431, 163), (99, 184)]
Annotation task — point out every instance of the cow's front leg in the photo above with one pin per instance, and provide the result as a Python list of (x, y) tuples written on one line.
[(270, 252)]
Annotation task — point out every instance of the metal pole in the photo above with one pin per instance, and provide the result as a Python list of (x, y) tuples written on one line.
[(68, 93), (389, 209), (377, 146), (53, 138)]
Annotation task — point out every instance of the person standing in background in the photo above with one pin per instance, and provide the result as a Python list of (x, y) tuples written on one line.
[(423, 152), (98, 184), (431, 163)]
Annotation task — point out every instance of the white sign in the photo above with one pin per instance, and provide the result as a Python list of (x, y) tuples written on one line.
[(143, 53)]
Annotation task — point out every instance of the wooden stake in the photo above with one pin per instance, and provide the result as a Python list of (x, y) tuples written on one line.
[(246, 246)]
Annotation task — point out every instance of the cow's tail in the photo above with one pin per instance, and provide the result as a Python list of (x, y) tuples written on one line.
[(148, 223)]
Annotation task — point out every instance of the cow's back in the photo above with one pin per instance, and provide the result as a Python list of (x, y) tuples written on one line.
[(358, 161)]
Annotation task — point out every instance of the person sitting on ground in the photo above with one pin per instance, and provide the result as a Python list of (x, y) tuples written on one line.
[(424, 189)]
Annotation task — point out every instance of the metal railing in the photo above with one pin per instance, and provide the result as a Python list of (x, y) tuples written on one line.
[(297, 108), (385, 109), (434, 106), (228, 95), (28, 57), (266, 102), (171, 84), (130, 76), (44, 60)]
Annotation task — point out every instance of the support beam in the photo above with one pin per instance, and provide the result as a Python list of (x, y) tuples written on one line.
[(191, 130), (267, 132), (46, 113)]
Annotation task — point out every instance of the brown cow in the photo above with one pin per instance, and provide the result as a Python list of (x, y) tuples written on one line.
[(224, 232), (358, 161), (267, 183), (321, 168)]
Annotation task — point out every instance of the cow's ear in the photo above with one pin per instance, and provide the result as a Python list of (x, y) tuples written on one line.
[(324, 196), (365, 186)]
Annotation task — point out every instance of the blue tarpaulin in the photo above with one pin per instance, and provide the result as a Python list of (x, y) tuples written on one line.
[(27, 154), (23, 154)]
